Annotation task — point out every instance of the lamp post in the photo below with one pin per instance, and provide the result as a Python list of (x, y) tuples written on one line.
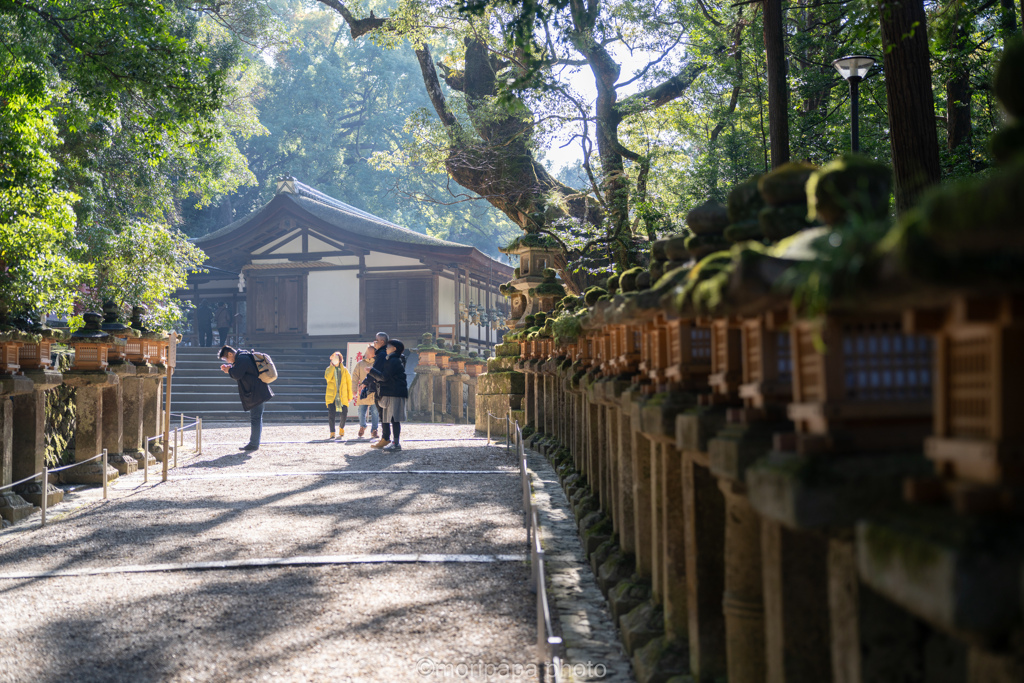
[(854, 68)]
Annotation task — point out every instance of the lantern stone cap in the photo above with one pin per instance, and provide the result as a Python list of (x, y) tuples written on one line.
[(531, 242)]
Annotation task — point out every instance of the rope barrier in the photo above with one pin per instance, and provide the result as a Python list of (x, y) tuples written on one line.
[(47, 471), (548, 644)]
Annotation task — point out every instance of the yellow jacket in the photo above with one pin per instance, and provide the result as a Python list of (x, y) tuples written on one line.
[(346, 386)]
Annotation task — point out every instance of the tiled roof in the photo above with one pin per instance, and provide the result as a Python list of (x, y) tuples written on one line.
[(337, 213)]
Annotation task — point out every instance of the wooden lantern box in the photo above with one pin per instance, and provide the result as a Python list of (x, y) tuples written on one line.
[(10, 352), (585, 350), (443, 360), (118, 349), (628, 348), (458, 365), (158, 351), (689, 355), (859, 384), (427, 357), (36, 356), (656, 348), (138, 350), (545, 348), (979, 404), (473, 368), (600, 350), (767, 362), (90, 356), (726, 361)]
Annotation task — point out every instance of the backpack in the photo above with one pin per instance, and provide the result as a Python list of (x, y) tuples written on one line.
[(265, 366)]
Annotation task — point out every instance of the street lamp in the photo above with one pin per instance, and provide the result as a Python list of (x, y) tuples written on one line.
[(854, 68)]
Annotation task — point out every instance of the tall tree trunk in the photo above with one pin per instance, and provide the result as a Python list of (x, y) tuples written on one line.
[(958, 114), (958, 90), (908, 89), (778, 89)]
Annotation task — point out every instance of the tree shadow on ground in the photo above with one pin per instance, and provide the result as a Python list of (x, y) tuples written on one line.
[(243, 625)]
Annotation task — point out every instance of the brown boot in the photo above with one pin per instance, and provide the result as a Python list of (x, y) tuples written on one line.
[(374, 434), (380, 444), (362, 430)]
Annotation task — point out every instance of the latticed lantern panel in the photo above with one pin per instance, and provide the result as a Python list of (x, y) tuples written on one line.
[(35, 356)]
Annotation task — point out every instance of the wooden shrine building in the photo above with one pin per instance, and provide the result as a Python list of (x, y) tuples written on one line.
[(307, 270)]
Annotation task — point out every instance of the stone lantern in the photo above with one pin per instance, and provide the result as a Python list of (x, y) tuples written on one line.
[(534, 289), (95, 415), (90, 344)]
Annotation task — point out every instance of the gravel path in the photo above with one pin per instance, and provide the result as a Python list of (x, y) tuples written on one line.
[(447, 493)]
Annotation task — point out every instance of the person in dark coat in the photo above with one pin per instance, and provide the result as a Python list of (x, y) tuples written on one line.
[(204, 324), (254, 392), (380, 342), (392, 395), (380, 354)]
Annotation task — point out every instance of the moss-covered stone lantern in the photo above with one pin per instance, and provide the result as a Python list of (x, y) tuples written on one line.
[(534, 288), (90, 344)]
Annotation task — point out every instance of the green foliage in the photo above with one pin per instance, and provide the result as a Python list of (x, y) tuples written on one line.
[(566, 328), (110, 114), (350, 119)]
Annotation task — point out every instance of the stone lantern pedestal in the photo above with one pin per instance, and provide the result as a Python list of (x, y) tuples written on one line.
[(90, 378), (89, 409), (29, 446), (422, 390), (12, 506)]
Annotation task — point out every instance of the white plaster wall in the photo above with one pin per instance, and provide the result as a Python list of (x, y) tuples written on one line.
[(446, 301), (376, 259), (333, 302), (316, 244), (341, 260)]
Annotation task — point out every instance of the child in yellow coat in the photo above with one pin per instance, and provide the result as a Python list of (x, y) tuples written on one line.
[(339, 392)]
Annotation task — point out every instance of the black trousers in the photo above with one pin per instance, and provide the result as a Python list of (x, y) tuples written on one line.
[(332, 412), (206, 336), (224, 331)]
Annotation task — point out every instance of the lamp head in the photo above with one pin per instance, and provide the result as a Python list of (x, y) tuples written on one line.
[(854, 66)]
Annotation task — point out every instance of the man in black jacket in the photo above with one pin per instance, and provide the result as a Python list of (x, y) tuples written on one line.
[(254, 392), (392, 395)]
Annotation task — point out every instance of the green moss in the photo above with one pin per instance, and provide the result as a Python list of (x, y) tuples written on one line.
[(850, 187), (745, 201), (702, 245), (778, 222), (627, 281), (1010, 77), (786, 184), (550, 289), (709, 218), (591, 296), (970, 232), (1007, 143), (612, 284), (744, 230), (887, 546), (567, 328), (530, 240), (675, 247)]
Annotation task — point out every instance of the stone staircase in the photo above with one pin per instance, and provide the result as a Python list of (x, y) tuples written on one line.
[(200, 388)]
